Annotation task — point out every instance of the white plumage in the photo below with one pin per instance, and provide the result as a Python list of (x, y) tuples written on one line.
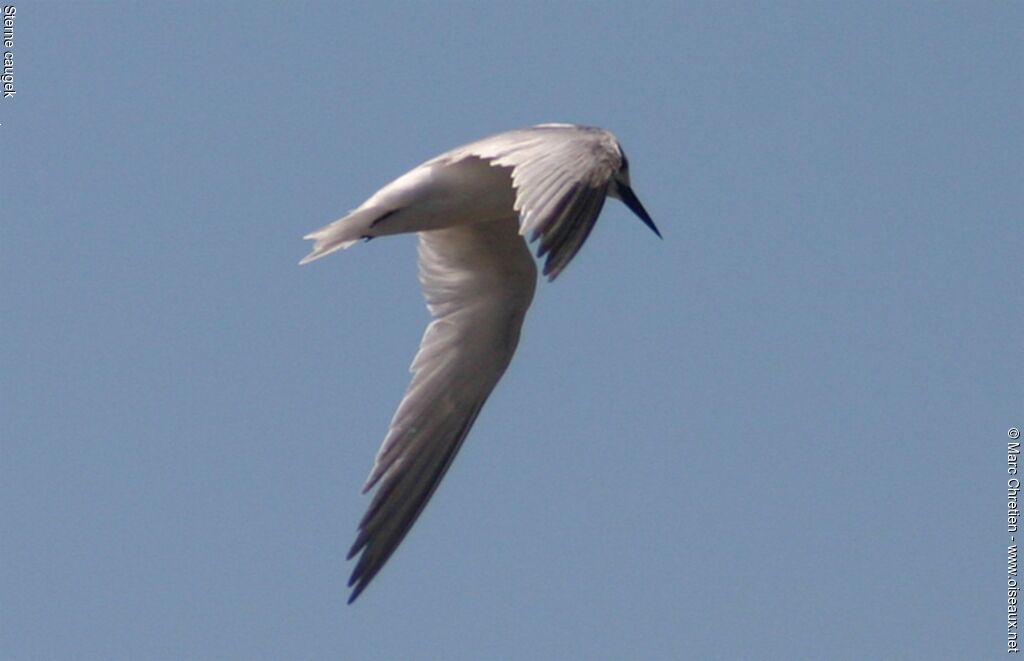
[(472, 207)]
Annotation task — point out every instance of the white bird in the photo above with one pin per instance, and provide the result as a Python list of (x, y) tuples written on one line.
[(472, 207)]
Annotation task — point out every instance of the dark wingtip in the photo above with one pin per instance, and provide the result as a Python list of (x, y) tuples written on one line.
[(358, 582)]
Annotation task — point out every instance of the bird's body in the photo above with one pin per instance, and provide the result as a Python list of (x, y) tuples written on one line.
[(472, 207)]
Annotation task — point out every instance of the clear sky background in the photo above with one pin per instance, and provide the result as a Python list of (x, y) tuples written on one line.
[(779, 433)]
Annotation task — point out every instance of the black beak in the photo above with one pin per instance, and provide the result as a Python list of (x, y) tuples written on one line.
[(629, 198)]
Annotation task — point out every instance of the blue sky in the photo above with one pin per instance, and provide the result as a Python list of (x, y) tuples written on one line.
[(778, 433)]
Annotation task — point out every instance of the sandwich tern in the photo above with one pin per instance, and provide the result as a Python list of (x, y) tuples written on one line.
[(473, 208)]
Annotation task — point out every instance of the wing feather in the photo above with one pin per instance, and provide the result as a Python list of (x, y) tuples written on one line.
[(561, 174), (478, 281)]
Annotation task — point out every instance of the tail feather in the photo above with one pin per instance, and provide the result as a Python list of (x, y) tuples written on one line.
[(340, 234), (323, 247)]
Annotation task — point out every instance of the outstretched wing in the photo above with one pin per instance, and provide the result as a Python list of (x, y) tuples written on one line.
[(478, 281), (561, 174)]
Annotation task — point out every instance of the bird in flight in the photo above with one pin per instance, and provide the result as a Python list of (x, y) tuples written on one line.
[(475, 208)]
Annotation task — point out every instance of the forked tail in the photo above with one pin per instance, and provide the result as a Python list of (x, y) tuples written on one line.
[(340, 234)]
